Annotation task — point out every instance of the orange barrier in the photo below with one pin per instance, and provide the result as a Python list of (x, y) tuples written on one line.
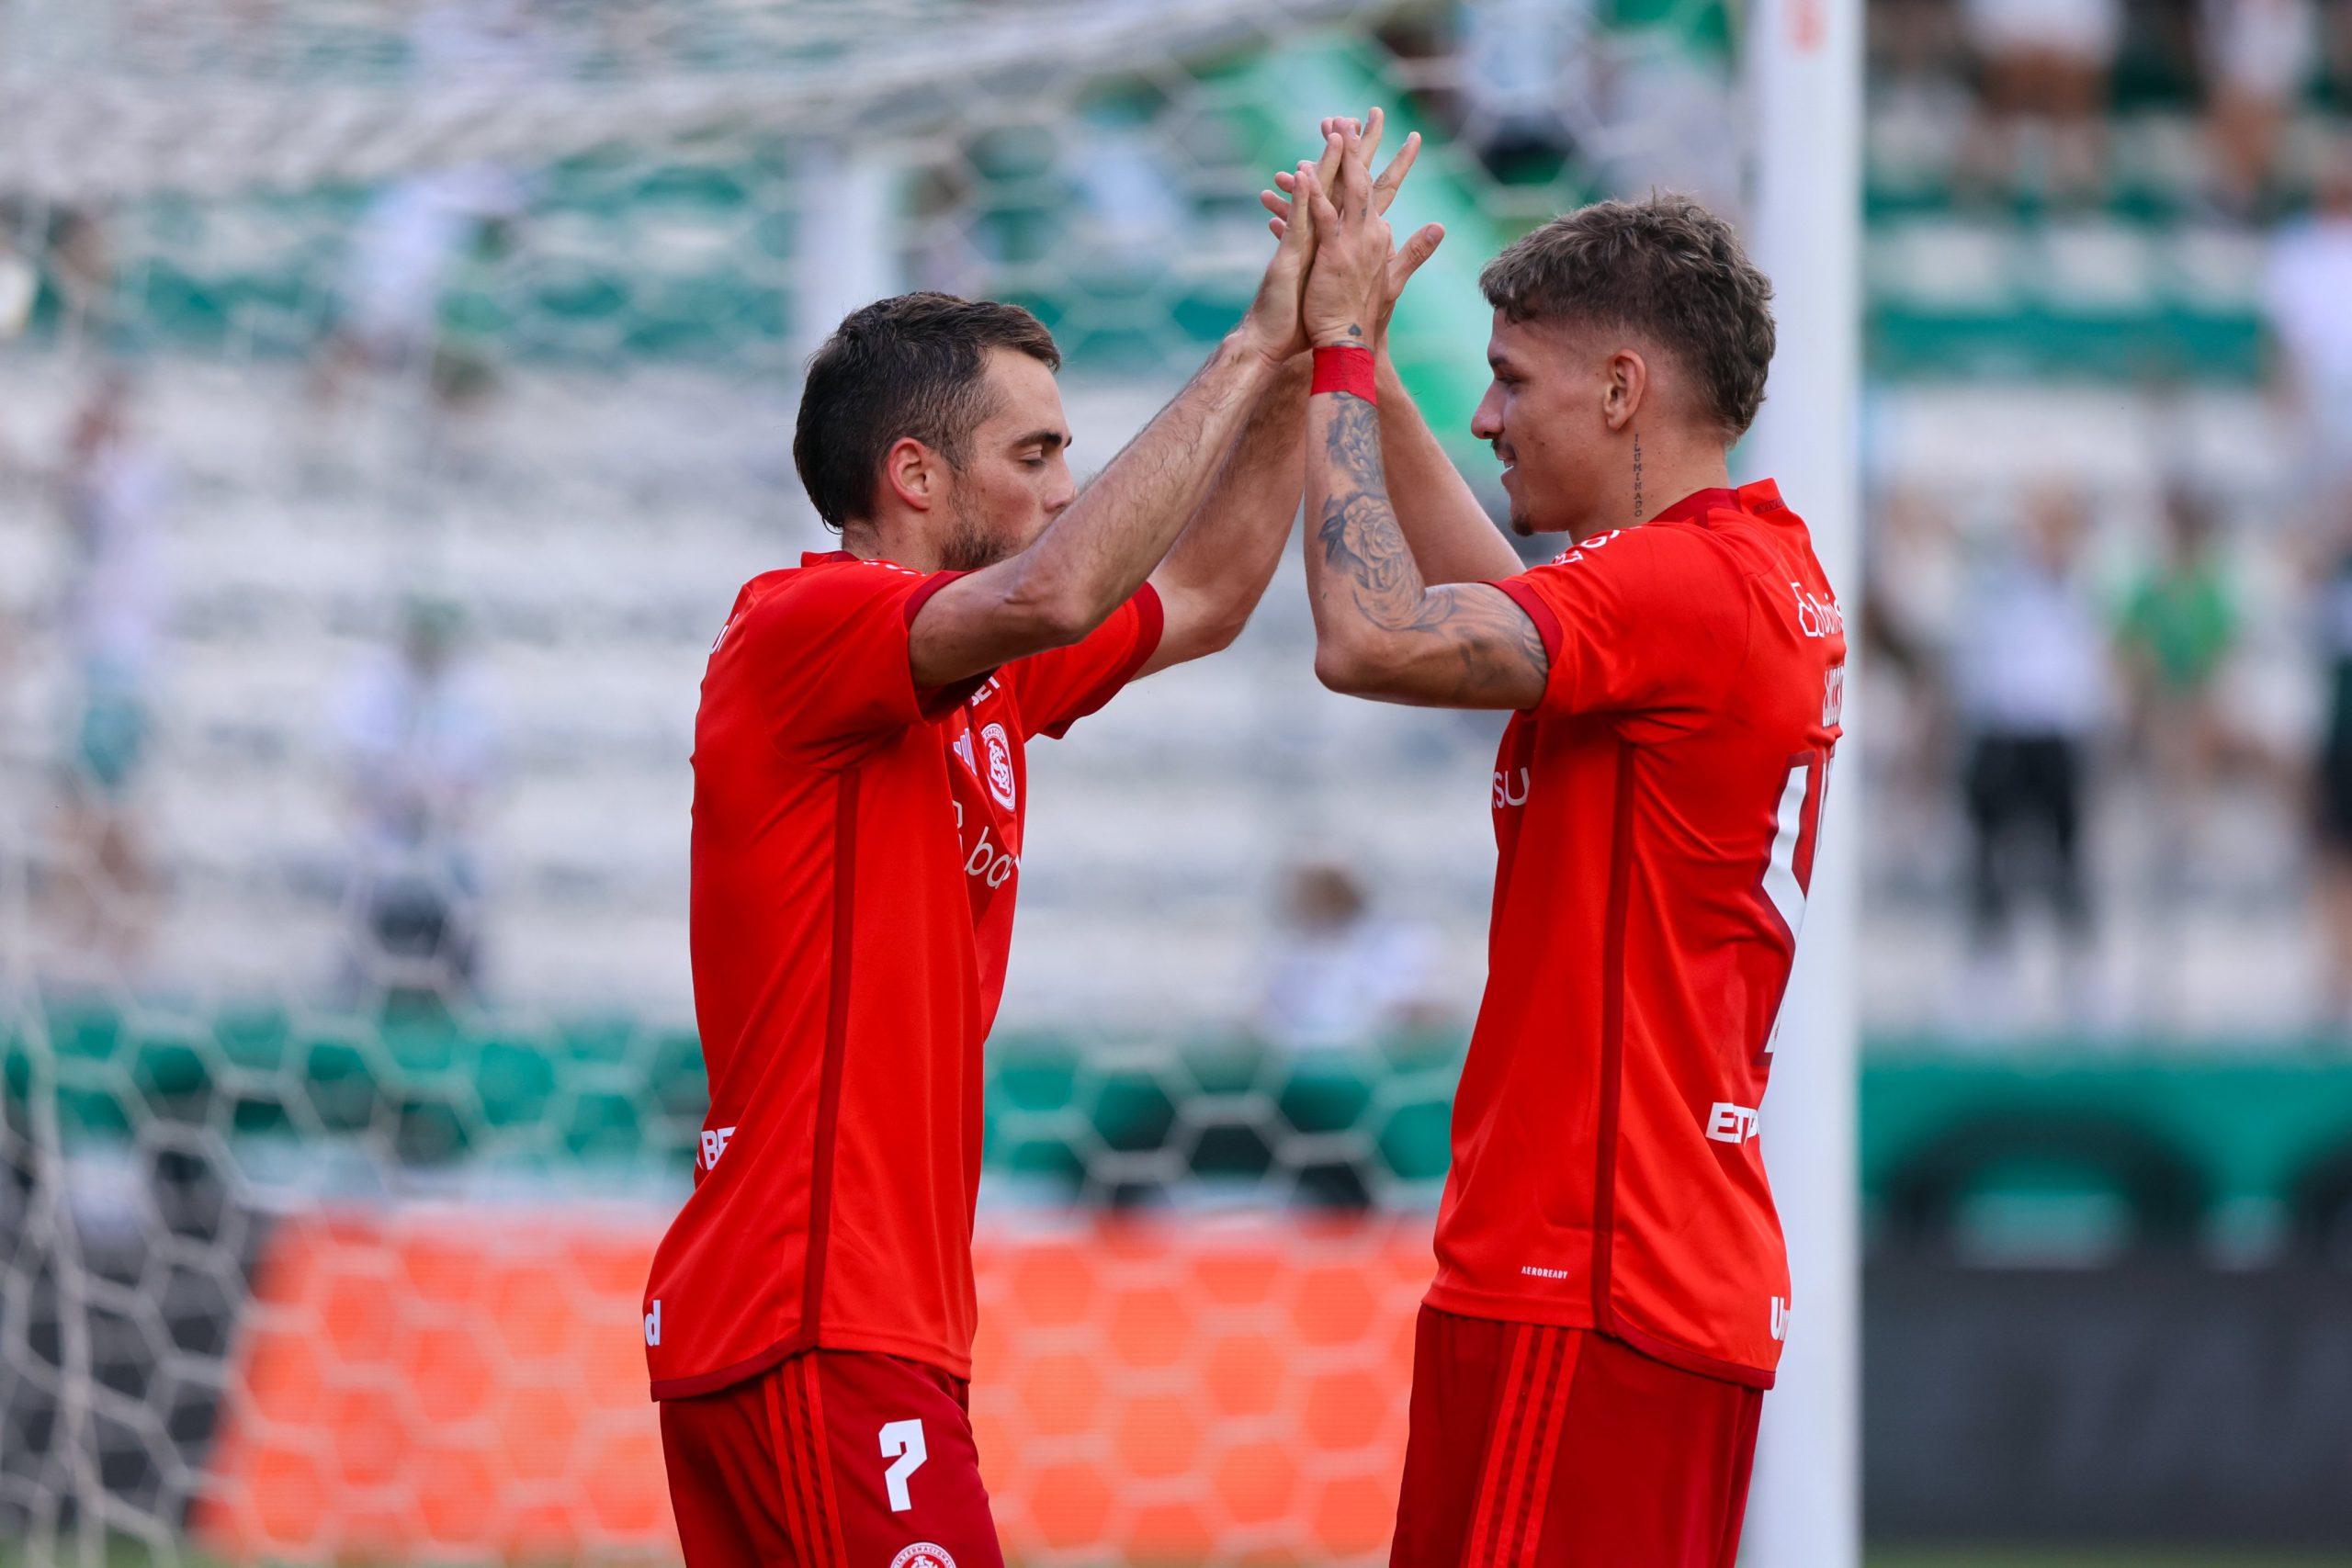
[(456, 1383)]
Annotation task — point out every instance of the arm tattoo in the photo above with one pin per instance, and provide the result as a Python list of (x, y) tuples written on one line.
[(1496, 643)]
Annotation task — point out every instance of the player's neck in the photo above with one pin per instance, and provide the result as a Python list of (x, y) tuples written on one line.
[(1658, 467), (901, 540)]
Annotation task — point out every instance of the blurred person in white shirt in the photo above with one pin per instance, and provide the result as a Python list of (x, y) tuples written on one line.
[(417, 748), (1344, 977), (415, 228), (2258, 56), (2033, 690), (2045, 61), (113, 491), (2307, 303)]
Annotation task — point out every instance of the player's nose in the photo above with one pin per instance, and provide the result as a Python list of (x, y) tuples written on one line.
[(1486, 423)]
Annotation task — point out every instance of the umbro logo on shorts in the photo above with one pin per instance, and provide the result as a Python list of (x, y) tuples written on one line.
[(924, 1554)]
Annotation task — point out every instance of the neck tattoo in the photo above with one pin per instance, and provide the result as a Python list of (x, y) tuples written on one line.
[(1637, 478)]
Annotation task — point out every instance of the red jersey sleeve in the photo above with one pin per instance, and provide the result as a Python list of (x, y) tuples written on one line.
[(1062, 685), (825, 654), (1650, 621)]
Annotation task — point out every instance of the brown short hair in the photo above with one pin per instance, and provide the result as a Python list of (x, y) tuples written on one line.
[(908, 366), (1666, 268)]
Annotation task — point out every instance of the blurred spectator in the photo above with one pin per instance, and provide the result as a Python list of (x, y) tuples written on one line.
[(2307, 298), (81, 268), (2258, 57), (2334, 788), (19, 284), (390, 310), (417, 749), (415, 228), (2179, 627), (1345, 976), (113, 491), (2032, 692), (2045, 61)]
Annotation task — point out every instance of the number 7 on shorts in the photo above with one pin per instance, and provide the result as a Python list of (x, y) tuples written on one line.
[(902, 1443)]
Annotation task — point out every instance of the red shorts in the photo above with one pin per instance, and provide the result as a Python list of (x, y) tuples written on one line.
[(1559, 1447), (834, 1459)]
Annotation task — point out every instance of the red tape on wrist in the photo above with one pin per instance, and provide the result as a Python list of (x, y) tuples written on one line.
[(1344, 367)]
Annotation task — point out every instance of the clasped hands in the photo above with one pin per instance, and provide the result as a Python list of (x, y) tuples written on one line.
[(1335, 279)]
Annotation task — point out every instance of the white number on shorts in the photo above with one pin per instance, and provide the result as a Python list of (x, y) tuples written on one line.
[(902, 1445)]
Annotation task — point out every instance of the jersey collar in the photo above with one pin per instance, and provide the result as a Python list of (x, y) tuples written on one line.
[(1756, 500), (822, 558)]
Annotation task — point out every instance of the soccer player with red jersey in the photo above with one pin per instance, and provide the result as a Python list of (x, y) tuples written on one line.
[(1612, 1289), (860, 788)]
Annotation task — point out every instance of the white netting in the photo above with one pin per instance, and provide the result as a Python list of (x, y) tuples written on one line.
[(397, 394)]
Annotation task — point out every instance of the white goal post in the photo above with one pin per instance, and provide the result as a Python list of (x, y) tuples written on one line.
[(1805, 71)]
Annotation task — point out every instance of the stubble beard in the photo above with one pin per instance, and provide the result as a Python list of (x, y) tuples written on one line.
[(968, 545)]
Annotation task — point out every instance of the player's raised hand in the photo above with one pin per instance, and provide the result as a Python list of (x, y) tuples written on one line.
[(1273, 325), (1418, 247), (1370, 129), (1342, 299)]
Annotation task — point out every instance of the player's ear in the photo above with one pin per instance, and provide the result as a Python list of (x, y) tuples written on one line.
[(913, 473), (1625, 383)]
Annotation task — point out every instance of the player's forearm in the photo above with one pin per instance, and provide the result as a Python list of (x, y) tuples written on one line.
[(1221, 564), (1452, 539), (1095, 555), (1361, 579), (1380, 630)]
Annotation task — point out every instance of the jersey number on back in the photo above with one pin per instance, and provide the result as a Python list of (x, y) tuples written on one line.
[(1788, 871)]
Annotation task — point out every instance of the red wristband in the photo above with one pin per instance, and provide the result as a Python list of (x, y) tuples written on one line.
[(1344, 367)]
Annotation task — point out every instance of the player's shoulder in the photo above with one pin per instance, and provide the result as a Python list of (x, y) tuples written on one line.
[(821, 583), (1676, 557)]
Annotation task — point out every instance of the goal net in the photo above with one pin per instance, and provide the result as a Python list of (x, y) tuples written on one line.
[(394, 394)]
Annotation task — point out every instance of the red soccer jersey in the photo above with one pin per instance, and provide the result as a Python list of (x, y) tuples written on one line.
[(1656, 816), (857, 853)]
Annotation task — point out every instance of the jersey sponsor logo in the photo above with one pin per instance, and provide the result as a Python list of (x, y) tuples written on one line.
[(988, 690), (714, 1144), (1000, 764), (1818, 616), (987, 862), (1538, 1271), (1833, 697), (653, 1323), (1780, 1318), (1511, 788), (1729, 1123), (924, 1554)]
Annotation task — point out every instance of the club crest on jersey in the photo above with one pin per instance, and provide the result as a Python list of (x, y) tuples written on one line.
[(924, 1554), (1000, 764)]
